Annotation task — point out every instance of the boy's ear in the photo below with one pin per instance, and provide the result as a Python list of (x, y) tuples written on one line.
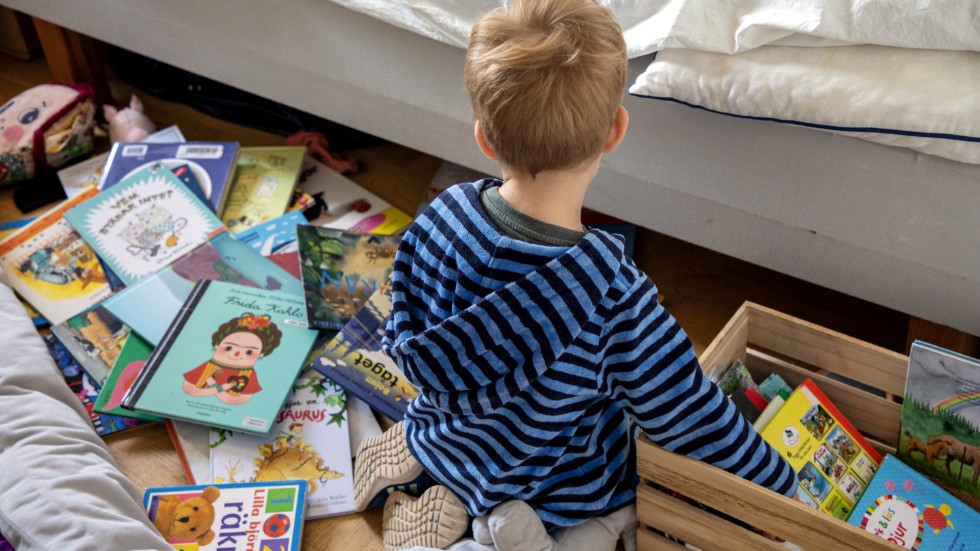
[(482, 143), (618, 131)]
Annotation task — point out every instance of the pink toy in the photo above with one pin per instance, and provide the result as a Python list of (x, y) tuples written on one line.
[(128, 124)]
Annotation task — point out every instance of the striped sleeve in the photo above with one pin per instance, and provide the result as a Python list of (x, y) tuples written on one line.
[(650, 368)]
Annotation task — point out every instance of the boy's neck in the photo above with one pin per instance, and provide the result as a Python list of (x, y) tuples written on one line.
[(552, 196)]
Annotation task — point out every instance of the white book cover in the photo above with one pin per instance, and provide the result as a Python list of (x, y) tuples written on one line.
[(310, 441), (348, 205)]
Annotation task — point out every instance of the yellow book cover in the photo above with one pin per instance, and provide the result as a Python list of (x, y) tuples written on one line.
[(263, 185), (833, 462)]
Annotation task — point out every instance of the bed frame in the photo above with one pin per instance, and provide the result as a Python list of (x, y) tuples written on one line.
[(884, 224)]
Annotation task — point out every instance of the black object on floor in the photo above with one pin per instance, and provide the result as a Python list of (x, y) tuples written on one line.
[(41, 190)]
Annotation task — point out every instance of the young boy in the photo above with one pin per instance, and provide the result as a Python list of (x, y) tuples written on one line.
[(537, 345)]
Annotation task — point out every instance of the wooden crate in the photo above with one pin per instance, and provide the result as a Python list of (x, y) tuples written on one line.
[(771, 342)]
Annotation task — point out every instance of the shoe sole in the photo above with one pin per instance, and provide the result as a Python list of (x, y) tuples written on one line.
[(382, 462), (436, 519)]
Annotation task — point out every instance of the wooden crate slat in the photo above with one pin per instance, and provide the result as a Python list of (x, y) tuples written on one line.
[(750, 503), (730, 342), (646, 539)]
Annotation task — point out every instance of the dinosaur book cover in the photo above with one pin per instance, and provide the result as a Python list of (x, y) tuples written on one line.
[(906, 508), (940, 434), (228, 360), (341, 270), (230, 517), (310, 441), (52, 267), (143, 223)]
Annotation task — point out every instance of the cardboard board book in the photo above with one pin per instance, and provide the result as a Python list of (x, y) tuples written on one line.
[(263, 185), (228, 360)]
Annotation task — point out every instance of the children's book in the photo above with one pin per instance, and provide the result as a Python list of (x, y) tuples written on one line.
[(832, 459), (263, 185), (270, 237), (223, 258), (310, 441), (94, 338), (940, 434), (353, 359), (736, 378), (345, 205), (192, 444), (288, 261), (131, 359), (906, 508), (253, 516), (85, 174), (341, 270), (52, 267), (211, 163), (87, 391), (228, 360), (143, 223)]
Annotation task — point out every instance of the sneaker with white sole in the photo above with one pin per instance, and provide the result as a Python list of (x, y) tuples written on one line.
[(383, 465), (436, 519)]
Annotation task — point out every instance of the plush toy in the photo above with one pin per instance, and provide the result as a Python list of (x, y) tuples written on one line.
[(188, 519), (129, 124)]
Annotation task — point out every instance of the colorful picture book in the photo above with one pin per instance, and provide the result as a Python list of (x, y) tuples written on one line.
[(94, 338), (833, 461), (232, 517), (345, 205), (906, 508), (310, 441), (263, 185), (223, 258), (353, 359), (341, 270), (128, 364), (193, 446), (270, 237), (143, 223), (211, 163), (51, 266), (940, 434), (82, 175), (228, 360)]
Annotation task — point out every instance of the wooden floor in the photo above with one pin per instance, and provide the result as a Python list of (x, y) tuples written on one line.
[(700, 287)]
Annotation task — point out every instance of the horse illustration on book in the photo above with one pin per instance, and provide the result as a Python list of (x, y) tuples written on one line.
[(153, 228), (230, 373)]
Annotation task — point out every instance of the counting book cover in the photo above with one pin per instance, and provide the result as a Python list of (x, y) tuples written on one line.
[(253, 516), (228, 360)]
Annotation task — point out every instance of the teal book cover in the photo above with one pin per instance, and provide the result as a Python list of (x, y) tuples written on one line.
[(143, 223), (906, 508), (229, 358)]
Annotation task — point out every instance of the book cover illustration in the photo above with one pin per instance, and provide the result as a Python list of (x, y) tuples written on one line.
[(87, 391), (345, 205), (51, 266), (228, 360), (211, 163), (79, 176), (341, 270), (310, 441), (94, 338), (353, 359), (940, 434), (143, 223), (231, 517), (906, 508), (834, 463), (131, 358), (263, 184), (270, 237), (223, 258)]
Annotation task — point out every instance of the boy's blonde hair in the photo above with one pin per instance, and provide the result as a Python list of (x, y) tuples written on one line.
[(545, 78)]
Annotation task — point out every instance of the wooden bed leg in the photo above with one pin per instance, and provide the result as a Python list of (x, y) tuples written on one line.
[(942, 335), (74, 57)]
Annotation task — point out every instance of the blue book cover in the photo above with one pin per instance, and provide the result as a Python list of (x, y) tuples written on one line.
[(228, 360), (904, 507), (211, 164), (230, 517), (270, 237), (143, 223)]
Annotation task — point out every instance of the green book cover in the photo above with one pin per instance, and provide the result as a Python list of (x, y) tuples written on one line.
[(228, 360), (131, 359), (262, 189)]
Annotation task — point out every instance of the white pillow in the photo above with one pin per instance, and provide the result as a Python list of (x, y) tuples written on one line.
[(926, 100)]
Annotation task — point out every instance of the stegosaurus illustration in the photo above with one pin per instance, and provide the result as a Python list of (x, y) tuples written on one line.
[(291, 459)]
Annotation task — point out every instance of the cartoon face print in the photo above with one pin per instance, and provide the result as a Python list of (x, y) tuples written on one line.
[(154, 218), (22, 116), (240, 349)]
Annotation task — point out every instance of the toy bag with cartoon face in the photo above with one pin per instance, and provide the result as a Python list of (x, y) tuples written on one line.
[(43, 128)]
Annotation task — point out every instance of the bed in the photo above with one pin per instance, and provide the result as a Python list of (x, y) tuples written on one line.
[(889, 224)]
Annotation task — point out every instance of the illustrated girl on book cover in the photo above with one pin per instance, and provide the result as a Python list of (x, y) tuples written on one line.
[(230, 373)]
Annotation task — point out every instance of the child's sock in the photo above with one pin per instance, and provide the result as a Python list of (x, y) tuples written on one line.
[(436, 519), (383, 465)]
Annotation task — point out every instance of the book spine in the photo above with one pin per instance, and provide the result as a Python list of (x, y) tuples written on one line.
[(160, 352)]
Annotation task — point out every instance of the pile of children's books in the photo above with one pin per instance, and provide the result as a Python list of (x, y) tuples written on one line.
[(926, 496)]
